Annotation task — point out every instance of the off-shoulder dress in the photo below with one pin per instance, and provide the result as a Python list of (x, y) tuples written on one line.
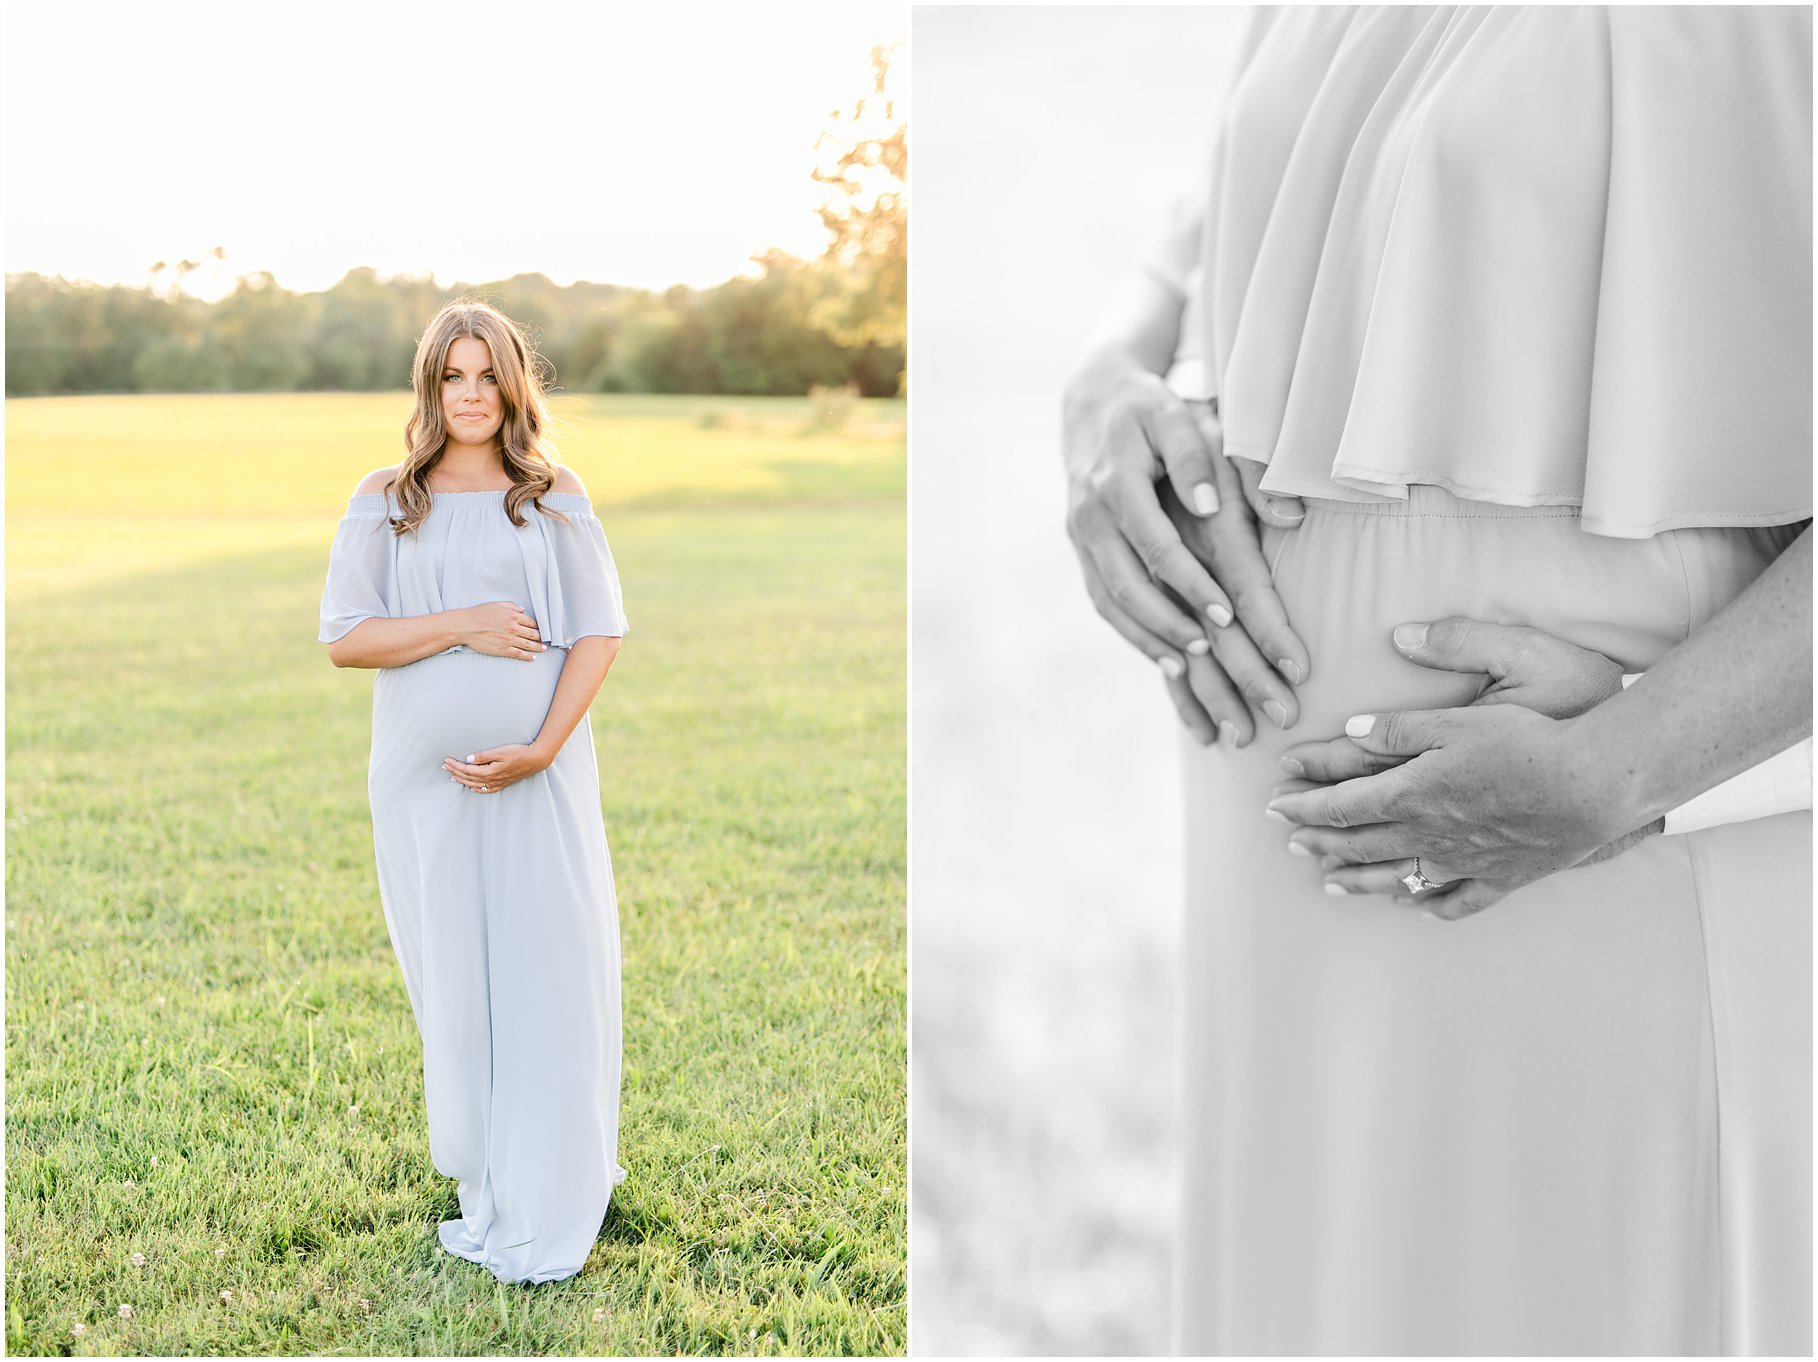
[(500, 906)]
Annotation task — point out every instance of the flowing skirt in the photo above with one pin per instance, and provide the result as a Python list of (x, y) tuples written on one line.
[(1577, 1123), (501, 910)]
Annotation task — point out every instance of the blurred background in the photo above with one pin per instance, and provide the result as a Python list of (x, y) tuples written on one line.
[(1046, 806), (225, 229)]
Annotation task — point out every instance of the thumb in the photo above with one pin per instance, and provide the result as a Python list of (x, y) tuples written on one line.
[(1405, 733), (1284, 513), (1457, 644)]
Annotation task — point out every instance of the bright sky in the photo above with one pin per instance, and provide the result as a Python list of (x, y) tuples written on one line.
[(642, 146)]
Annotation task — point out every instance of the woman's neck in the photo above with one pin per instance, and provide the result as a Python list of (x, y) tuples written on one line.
[(469, 471)]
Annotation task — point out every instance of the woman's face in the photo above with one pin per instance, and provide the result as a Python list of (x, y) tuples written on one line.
[(473, 408)]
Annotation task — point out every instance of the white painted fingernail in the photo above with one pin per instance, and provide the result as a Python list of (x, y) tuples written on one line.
[(1276, 711), (1337, 891), (1408, 637), (1199, 647), (1299, 849), (470, 758), (1221, 615), (1358, 725), (1278, 815), (1205, 498), (1228, 731), (1171, 668), (1289, 668), (1292, 767)]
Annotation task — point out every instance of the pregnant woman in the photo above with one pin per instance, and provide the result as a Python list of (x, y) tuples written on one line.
[(1499, 315), (476, 579)]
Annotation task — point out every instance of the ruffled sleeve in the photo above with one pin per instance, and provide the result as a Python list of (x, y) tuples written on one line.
[(574, 583), (1535, 255), (362, 570)]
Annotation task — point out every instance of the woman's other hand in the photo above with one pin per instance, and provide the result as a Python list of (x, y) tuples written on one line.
[(1496, 796), (1137, 458), (1521, 666), (490, 770), (501, 629)]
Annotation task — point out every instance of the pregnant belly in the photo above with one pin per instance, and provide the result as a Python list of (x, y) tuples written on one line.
[(460, 702)]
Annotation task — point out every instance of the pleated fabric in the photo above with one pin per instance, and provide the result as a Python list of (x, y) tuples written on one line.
[(1534, 255), (500, 906)]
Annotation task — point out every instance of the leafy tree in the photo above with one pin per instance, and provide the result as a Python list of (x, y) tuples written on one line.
[(866, 162)]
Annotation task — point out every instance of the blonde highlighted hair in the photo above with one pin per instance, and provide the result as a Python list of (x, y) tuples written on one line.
[(524, 439)]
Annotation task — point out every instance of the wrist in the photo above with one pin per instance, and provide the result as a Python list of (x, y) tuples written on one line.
[(1611, 781)]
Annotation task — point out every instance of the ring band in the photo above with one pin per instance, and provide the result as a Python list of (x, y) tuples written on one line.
[(1416, 881)]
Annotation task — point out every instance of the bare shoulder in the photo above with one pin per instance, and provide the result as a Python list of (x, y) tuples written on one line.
[(376, 481), (567, 480)]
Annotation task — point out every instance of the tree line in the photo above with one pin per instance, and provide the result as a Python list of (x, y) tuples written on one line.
[(750, 336), (839, 321)]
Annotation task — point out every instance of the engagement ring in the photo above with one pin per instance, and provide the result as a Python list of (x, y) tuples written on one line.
[(1417, 881)]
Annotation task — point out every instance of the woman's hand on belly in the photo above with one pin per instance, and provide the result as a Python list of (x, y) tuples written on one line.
[(1472, 836), (492, 769), (1188, 588)]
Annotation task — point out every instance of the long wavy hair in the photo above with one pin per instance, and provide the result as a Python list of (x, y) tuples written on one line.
[(524, 439)]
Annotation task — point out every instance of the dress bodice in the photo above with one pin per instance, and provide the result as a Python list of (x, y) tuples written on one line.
[(467, 552)]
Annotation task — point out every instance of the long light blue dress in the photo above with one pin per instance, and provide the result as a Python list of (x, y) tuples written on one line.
[(500, 906)]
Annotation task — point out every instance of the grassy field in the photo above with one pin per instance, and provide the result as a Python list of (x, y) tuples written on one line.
[(215, 1133)]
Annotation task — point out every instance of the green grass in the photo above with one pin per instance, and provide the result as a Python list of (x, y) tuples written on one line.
[(211, 1061)]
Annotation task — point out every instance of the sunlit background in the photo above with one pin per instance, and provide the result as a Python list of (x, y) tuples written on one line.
[(637, 146), (215, 1140)]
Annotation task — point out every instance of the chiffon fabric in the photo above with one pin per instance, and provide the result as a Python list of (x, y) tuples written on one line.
[(1535, 255), (1518, 299), (500, 906)]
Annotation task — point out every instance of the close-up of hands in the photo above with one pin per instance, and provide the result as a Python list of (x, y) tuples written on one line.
[(502, 629), (1490, 796), (494, 768), (1166, 529)]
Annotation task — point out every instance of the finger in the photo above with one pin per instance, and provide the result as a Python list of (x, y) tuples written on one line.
[(1403, 733), (1348, 804), (1284, 513), (1362, 846), (1192, 713), (1135, 592), (1260, 683), (1376, 877), (1262, 688), (1455, 902), (1163, 654), (1220, 700), (1334, 760), (1176, 436), (1457, 644), (1165, 556), (1231, 547)]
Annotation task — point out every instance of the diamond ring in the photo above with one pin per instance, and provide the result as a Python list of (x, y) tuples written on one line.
[(1417, 881)]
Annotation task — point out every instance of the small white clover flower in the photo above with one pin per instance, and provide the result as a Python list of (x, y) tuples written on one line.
[(138, 1260), (126, 1312)]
